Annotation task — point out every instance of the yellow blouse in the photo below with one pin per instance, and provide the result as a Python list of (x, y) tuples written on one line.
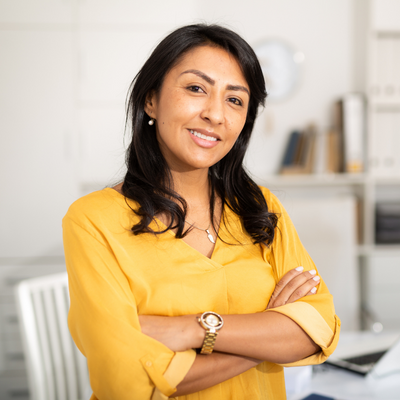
[(114, 276)]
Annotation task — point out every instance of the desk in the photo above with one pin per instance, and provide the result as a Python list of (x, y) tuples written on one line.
[(344, 385)]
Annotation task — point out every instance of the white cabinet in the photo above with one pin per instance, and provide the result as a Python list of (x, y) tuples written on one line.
[(36, 144), (332, 244), (385, 15), (37, 12), (102, 159), (114, 39), (108, 62), (382, 287), (146, 14)]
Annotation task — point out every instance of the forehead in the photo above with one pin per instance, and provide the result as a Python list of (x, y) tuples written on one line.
[(215, 62)]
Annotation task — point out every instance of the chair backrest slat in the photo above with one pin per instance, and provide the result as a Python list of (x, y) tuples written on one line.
[(33, 357), (44, 338), (56, 368), (67, 345), (83, 374), (55, 344)]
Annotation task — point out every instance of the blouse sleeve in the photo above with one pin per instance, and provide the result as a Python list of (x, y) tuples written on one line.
[(123, 363), (315, 314)]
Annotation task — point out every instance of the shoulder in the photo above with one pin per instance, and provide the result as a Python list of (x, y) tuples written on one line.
[(274, 205), (99, 205), (90, 204)]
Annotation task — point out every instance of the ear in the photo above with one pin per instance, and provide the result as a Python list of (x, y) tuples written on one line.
[(150, 105)]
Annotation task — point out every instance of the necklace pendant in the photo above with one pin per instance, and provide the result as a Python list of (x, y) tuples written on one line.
[(210, 237)]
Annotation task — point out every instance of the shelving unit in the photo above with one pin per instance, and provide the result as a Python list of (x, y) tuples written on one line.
[(381, 181), (383, 91)]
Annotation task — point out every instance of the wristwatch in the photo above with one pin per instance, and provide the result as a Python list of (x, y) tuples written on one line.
[(212, 323)]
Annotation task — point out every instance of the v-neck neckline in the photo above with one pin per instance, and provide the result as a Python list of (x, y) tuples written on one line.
[(161, 225), (217, 240)]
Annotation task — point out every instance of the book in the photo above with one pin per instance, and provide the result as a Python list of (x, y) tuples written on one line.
[(350, 123), (333, 151), (299, 154), (314, 396), (320, 153), (308, 160), (387, 223), (291, 148)]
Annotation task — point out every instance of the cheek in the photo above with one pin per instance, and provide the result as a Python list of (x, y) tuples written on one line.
[(235, 125), (177, 109)]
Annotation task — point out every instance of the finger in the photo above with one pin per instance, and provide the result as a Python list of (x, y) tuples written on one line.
[(312, 291), (300, 286), (309, 287), (294, 288), (277, 298), (293, 273)]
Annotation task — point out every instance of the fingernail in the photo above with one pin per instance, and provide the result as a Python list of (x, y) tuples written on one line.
[(299, 268), (313, 290), (316, 278), (312, 272)]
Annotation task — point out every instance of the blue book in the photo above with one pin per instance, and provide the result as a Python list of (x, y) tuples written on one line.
[(317, 397), (291, 149)]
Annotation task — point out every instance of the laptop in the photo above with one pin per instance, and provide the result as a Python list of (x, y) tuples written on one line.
[(365, 353)]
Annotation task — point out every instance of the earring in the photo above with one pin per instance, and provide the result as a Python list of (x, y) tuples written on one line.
[(151, 122)]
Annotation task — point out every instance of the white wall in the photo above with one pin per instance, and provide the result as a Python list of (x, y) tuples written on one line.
[(66, 67)]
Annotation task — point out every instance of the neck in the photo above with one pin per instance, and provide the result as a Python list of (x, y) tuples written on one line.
[(193, 186)]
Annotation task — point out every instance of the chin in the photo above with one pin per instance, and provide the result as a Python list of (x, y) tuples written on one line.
[(201, 164)]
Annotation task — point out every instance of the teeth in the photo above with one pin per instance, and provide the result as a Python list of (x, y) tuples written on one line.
[(201, 136)]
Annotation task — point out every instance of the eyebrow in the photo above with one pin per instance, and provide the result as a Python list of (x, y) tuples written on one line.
[(212, 81)]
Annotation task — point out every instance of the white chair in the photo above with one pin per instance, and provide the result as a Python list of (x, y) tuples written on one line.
[(56, 368)]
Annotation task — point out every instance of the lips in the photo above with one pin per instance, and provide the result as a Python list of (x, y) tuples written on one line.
[(204, 135), (204, 138)]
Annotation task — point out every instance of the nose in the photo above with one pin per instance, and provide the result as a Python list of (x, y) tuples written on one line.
[(214, 110)]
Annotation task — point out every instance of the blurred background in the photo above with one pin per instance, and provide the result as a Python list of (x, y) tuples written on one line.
[(327, 143)]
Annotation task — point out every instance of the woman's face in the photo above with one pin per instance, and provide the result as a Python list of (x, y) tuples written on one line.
[(200, 109)]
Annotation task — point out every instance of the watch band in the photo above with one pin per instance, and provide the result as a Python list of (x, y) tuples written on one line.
[(209, 342), (212, 323)]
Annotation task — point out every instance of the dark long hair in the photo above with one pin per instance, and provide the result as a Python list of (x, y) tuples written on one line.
[(148, 180)]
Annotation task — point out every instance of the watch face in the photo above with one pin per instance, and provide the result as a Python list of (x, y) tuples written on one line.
[(280, 64), (212, 320)]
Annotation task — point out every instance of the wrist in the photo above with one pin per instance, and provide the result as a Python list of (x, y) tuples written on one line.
[(198, 333), (212, 323), (192, 331)]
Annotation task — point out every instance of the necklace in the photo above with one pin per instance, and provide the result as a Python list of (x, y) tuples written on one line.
[(210, 237)]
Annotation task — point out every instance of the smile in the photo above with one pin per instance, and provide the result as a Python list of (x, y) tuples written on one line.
[(201, 136)]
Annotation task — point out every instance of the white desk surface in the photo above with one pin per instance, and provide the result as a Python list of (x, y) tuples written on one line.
[(343, 385)]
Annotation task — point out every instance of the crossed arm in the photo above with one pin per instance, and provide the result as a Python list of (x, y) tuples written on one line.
[(245, 340)]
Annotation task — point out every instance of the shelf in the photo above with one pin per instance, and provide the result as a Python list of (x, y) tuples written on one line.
[(386, 180), (385, 104), (379, 249), (315, 180), (328, 180)]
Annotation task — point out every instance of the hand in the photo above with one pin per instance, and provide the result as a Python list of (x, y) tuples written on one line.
[(293, 286), (177, 333)]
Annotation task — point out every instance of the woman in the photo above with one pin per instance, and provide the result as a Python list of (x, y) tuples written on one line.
[(188, 252)]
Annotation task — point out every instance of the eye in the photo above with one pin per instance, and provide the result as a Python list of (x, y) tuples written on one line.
[(235, 101), (196, 89)]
